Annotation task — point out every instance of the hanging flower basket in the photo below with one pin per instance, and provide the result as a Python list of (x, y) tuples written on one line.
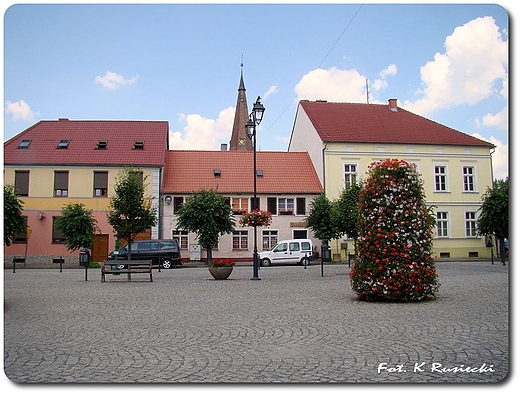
[(256, 217)]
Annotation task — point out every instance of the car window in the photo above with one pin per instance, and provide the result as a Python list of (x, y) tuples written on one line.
[(306, 246), (165, 245), (280, 248), (134, 247), (294, 246), (145, 246), (154, 245)]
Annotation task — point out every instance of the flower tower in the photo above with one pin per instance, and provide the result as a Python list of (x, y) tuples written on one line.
[(395, 229)]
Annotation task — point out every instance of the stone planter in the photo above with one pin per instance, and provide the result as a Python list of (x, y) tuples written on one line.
[(220, 273)]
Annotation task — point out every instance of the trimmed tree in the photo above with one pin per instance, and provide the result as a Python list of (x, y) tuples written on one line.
[(130, 211), (321, 219), (14, 221), (345, 210), (207, 214), (78, 226), (395, 227), (494, 214)]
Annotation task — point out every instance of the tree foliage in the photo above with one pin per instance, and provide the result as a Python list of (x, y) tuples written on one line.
[(494, 213), (130, 211), (78, 226), (395, 227), (14, 221), (207, 214), (345, 210), (321, 219)]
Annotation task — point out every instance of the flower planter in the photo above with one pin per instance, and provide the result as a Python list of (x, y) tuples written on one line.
[(220, 273)]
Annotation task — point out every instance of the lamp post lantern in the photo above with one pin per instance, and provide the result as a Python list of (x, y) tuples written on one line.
[(255, 117)]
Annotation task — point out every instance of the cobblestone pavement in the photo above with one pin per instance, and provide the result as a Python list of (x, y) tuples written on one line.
[(291, 326)]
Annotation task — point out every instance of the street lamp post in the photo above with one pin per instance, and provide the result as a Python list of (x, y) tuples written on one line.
[(255, 117)]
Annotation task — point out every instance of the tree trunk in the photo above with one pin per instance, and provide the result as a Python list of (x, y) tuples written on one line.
[(209, 255)]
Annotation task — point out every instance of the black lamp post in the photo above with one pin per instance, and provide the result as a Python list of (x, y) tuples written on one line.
[(255, 117)]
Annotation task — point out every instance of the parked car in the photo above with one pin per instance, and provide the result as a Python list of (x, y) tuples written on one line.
[(297, 251), (165, 252)]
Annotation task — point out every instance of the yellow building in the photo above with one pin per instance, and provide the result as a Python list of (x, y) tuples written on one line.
[(55, 163), (343, 139)]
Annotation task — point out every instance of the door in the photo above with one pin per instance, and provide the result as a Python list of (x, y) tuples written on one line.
[(100, 249)]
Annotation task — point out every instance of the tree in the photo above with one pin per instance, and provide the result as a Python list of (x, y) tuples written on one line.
[(494, 214), (14, 221), (78, 226), (395, 227), (320, 219), (207, 214), (345, 210), (130, 211)]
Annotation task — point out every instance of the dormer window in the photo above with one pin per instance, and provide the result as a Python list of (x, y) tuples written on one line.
[(138, 144), (63, 144), (24, 144), (217, 173), (259, 173), (101, 144)]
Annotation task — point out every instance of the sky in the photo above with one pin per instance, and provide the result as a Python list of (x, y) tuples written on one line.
[(182, 63)]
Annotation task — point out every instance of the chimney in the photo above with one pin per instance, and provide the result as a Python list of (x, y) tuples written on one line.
[(223, 147), (392, 104)]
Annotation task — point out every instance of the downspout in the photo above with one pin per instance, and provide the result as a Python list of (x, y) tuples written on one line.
[(491, 162), (160, 208), (323, 162)]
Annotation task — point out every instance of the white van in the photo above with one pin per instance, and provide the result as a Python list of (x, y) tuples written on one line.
[(297, 251)]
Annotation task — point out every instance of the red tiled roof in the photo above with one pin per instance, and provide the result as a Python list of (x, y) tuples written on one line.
[(83, 136), (376, 123), (283, 172)]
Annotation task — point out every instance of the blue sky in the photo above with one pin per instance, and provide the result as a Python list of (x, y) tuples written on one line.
[(181, 63)]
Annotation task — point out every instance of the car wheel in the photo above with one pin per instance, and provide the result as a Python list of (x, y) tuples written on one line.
[(166, 264), (265, 262), (121, 266)]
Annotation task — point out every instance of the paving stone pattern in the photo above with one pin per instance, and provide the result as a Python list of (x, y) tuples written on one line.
[(291, 326)]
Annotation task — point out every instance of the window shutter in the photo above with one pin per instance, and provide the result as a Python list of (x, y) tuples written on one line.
[(61, 180), (300, 206), (272, 205), (253, 205), (21, 183), (100, 180)]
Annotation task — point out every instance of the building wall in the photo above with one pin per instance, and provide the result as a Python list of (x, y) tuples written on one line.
[(40, 246), (284, 225), (454, 200)]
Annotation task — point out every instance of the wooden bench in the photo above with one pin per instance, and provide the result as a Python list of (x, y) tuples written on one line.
[(131, 267)]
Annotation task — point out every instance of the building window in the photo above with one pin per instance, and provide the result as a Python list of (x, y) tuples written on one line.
[(177, 203), (300, 206), (272, 205), (239, 205), (269, 239), (440, 178), (24, 144), (468, 178), (350, 175), (57, 236), (240, 240), (100, 183), (471, 224), (286, 206), (442, 224), (182, 238), (61, 183), (21, 183), (63, 144), (21, 237)]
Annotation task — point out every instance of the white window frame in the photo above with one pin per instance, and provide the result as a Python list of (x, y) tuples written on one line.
[(472, 222), (446, 221), (472, 176), (348, 175), (239, 201), (181, 237), (272, 236), (284, 205), (241, 234), (444, 175)]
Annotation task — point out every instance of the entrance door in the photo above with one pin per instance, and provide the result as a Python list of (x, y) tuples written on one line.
[(100, 250)]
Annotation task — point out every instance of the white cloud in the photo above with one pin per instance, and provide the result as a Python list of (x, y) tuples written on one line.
[(500, 157), (498, 120), (19, 110), (472, 69), (202, 133), (112, 80), (381, 83), (332, 85), (272, 90)]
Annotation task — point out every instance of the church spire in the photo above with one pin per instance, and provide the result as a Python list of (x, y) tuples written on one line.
[(239, 139)]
